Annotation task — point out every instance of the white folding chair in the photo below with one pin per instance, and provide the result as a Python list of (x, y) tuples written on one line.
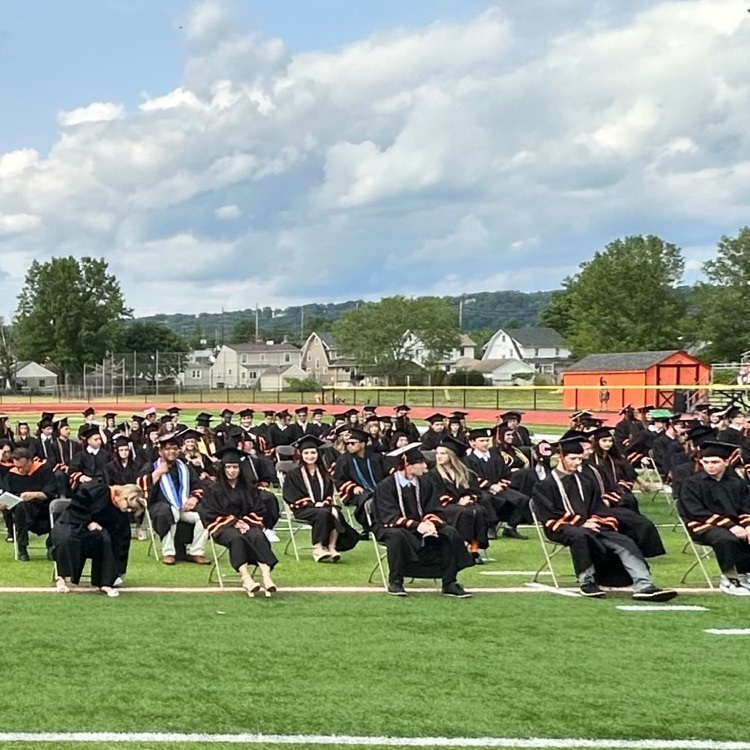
[(291, 525), (154, 543), (702, 554), (380, 552), (221, 577), (550, 550)]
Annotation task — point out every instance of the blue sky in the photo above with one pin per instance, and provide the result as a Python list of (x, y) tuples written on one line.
[(249, 151)]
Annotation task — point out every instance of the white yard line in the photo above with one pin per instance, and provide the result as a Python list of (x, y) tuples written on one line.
[(552, 590), (661, 608), (735, 631), (351, 741)]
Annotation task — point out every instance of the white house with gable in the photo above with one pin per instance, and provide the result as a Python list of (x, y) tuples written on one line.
[(541, 347)]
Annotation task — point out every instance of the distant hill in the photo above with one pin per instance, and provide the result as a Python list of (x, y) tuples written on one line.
[(481, 310)]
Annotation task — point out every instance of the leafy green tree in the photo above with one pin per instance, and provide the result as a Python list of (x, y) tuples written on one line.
[(556, 315), (627, 298), (7, 355), (385, 338), (159, 352), (69, 312), (243, 332), (724, 303)]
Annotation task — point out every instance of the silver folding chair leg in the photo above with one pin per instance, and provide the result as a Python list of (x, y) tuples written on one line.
[(153, 544), (700, 556), (216, 567), (547, 564), (379, 556)]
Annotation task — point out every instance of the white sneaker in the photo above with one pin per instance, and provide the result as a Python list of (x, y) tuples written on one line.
[(272, 536), (733, 586), (118, 582), (745, 581)]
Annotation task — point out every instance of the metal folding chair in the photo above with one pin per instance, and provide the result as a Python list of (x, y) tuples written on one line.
[(291, 524), (701, 552), (550, 550), (380, 553), (215, 574), (154, 543)]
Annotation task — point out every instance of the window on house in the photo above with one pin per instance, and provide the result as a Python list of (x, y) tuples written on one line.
[(229, 371), (325, 371), (287, 358), (309, 357), (244, 375), (317, 364), (243, 359), (262, 357), (195, 374), (42, 383)]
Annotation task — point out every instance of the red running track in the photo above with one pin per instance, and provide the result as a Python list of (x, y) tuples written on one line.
[(125, 409)]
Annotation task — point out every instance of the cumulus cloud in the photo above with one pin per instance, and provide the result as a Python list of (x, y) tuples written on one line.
[(497, 152)]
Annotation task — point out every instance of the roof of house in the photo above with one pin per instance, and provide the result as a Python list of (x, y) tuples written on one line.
[(486, 366), (253, 347), (281, 370), (466, 340), (621, 361), (30, 369), (536, 337)]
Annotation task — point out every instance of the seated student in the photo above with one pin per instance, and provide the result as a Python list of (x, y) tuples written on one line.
[(456, 429), (617, 497), (23, 438), (402, 423), (191, 454), (231, 513), (715, 505), (642, 439), (90, 464), (174, 491), (43, 446), (434, 434), (357, 473), (684, 470), (281, 433), (458, 492), (376, 442), (391, 463), (6, 464), (522, 476), (667, 443), (410, 522), (32, 480), (495, 480), (95, 526), (572, 514), (308, 491), (617, 475), (66, 450), (521, 435)]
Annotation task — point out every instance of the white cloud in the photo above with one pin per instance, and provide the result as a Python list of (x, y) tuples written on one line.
[(96, 112), (499, 151), (228, 212)]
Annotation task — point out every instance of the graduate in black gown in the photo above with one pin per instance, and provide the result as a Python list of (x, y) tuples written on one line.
[(409, 520), (435, 432), (90, 464), (522, 476), (308, 491), (402, 423), (231, 512), (458, 491), (715, 505), (6, 464), (95, 526), (572, 514)]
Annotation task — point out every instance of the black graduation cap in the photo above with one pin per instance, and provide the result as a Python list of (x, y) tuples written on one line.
[(235, 434), (90, 411), (456, 446), (121, 441), (247, 437), (44, 423), (386, 420), (732, 412), (646, 409), (359, 435), (396, 435), (517, 415), (369, 408), (302, 410), (189, 435), (700, 434), (339, 417), (436, 418), (402, 407), (246, 413), (60, 423), (572, 445), (227, 413), (164, 419), (459, 414), (318, 412), (702, 407), (372, 419), (625, 409), (409, 454), (309, 441), (47, 416), (110, 415), (269, 413), (600, 432), (25, 424), (137, 418), (455, 420), (283, 414), (591, 423), (577, 415), (717, 449), (151, 428), (351, 412), (203, 422), (174, 410), (171, 439), (231, 455), (88, 431), (480, 432), (204, 416)]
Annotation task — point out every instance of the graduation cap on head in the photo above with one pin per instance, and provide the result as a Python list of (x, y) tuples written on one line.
[(231, 455), (409, 454), (227, 413), (700, 434), (662, 415), (283, 414), (122, 427), (459, 414), (351, 412), (372, 419), (171, 439), (480, 432), (625, 409), (137, 418), (402, 407), (453, 445), (61, 423), (455, 420), (717, 449), (174, 410), (167, 418), (110, 415), (151, 428), (578, 415), (590, 424), (396, 436), (269, 413), (732, 412), (89, 431), (341, 417), (433, 418), (121, 441), (234, 434), (20, 424), (358, 435), (600, 432), (204, 416), (517, 415), (89, 412), (47, 416), (386, 420), (302, 410), (369, 409), (308, 441), (189, 435), (702, 407), (318, 412), (246, 413), (570, 444), (247, 437), (43, 424)]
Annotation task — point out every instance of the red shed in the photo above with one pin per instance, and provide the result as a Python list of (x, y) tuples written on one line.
[(621, 377)]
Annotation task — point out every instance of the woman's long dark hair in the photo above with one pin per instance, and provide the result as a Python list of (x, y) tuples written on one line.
[(223, 482)]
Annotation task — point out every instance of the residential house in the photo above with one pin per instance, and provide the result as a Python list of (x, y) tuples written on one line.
[(277, 378), (198, 369), (499, 371), (242, 365), (542, 347), (465, 350), (321, 361), (31, 376)]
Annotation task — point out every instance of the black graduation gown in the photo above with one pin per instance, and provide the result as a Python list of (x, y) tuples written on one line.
[(522, 437), (397, 512), (46, 450), (66, 450), (622, 432), (31, 516), (683, 472), (221, 507), (563, 518), (405, 425), (127, 474), (90, 465), (73, 543), (639, 446), (469, 520), (630, 522), (278, 436), (322, 519), (257, 472), (710, 508), (201, 464), (431, 439), (522, 476), (664, 450), (352, 472)]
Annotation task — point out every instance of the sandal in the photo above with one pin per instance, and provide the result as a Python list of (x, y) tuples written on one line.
[(61, 586), (251, 588)]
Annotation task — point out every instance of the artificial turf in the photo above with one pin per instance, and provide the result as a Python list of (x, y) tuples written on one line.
[(494, 666)]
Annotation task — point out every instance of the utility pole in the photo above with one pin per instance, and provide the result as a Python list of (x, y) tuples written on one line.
[(302, 326), (257, 324)]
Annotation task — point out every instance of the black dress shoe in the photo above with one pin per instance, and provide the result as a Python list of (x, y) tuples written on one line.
[(592, 591), (509, 533), (364, 535), (456, 590), (397, 589), (654, 594), (23, 554), (492, 533), (477, 558)]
